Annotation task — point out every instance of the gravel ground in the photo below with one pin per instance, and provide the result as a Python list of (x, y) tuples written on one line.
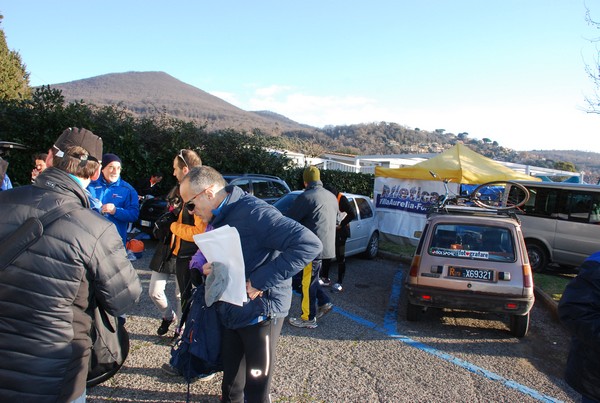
[(347, 358), (141, 378)]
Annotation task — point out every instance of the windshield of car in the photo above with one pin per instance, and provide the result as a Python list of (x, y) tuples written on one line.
[(285, 202), (478, 242)]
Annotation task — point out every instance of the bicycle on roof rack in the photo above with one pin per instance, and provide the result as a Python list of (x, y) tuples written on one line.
[(494, 195)]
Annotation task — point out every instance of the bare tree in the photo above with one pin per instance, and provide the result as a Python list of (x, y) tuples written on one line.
[(593, 70)]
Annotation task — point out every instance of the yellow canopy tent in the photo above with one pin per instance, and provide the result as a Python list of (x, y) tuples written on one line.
[(459, 163), (402, 195)]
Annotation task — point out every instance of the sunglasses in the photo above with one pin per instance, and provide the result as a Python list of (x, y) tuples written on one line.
[(190, 205), (180, 155)]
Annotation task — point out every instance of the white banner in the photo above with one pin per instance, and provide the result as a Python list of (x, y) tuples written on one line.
[(402, 205)]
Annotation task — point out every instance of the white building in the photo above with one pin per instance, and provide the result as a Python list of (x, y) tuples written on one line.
[(367, 163)]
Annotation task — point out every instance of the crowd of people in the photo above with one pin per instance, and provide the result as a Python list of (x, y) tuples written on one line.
[(80, 260), (91, 266)]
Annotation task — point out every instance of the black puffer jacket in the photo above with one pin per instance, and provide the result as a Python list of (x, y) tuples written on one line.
[(45, 294), (579, 310)]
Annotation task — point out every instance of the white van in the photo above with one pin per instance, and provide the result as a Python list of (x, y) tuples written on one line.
[(560, 223)]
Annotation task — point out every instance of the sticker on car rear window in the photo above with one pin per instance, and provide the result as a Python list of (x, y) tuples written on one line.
[(467, 254)]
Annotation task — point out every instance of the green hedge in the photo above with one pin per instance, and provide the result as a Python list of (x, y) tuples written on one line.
[(348, 182), (148, 145)]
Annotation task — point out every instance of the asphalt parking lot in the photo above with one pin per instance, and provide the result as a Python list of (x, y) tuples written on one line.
[(364, 351)]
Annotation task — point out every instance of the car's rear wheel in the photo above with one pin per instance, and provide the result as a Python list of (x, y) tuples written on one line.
[(519, 325), (538, 256), (413, 312), (372, 247)]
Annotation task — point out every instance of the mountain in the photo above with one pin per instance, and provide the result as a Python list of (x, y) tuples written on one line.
[(152, 93), (149, 93)]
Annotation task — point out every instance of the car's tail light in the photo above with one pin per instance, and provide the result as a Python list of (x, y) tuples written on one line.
[(527, 276), (414, 266), (511, 306), (426, 297)]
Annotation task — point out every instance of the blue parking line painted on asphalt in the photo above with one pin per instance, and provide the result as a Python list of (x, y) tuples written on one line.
[(389, 328), (390, 320)]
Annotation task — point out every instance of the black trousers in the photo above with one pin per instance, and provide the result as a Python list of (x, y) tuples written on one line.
[(340, 257), (248, 361), (186, 278)]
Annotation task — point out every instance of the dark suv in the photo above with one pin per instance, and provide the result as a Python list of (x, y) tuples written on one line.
[(266, 187)]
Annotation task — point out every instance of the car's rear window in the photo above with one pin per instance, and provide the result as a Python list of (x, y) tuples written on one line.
[(479, 242)]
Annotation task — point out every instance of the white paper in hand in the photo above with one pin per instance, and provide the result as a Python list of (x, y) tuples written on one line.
[(223, 245)]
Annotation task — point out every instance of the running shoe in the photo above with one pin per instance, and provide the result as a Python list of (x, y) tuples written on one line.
[(324, 310), (299, 322), (164, 326), (324, 282), (337, 287)]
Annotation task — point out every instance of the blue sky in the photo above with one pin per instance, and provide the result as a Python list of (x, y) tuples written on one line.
[(512, 70)]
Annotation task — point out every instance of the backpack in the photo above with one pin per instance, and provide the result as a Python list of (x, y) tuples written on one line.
[(110, 347), (197, 353)]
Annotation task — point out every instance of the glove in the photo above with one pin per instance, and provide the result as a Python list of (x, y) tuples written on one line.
[(199, 259), (162, 225)]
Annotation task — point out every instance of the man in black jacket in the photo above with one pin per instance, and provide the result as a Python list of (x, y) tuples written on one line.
[(345, 215), (47, 293)]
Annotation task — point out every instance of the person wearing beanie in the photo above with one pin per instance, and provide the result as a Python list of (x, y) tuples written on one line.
[(316, 208), (119, 199), (311, 174)]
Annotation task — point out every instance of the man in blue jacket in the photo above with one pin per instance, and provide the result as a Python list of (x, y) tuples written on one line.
[(274, 249), (579, 311), (119, 199)]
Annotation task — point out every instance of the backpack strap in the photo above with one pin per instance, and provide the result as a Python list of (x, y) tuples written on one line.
[(29, 232)]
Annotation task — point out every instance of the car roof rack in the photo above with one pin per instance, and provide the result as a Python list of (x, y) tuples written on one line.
[(474, 211)]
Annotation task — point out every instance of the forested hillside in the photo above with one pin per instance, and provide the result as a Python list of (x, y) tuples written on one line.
[(150, 93)]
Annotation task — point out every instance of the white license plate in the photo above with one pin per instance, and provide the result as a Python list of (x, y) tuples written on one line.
[(145, 223), (471, 274)]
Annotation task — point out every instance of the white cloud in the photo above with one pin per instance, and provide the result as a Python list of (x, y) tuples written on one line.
[(316, 110), (524, 126), (228, 97)]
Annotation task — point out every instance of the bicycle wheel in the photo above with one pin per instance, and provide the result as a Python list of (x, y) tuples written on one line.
[(500, 195)]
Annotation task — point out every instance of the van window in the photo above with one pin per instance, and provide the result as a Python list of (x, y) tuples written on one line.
[(542, 202)]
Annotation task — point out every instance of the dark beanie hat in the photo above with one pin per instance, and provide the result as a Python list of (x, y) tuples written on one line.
[(311, 174), (108, 158)]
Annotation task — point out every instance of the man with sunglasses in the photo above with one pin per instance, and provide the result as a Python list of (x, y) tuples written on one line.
[(182, 228), (274, 248)]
